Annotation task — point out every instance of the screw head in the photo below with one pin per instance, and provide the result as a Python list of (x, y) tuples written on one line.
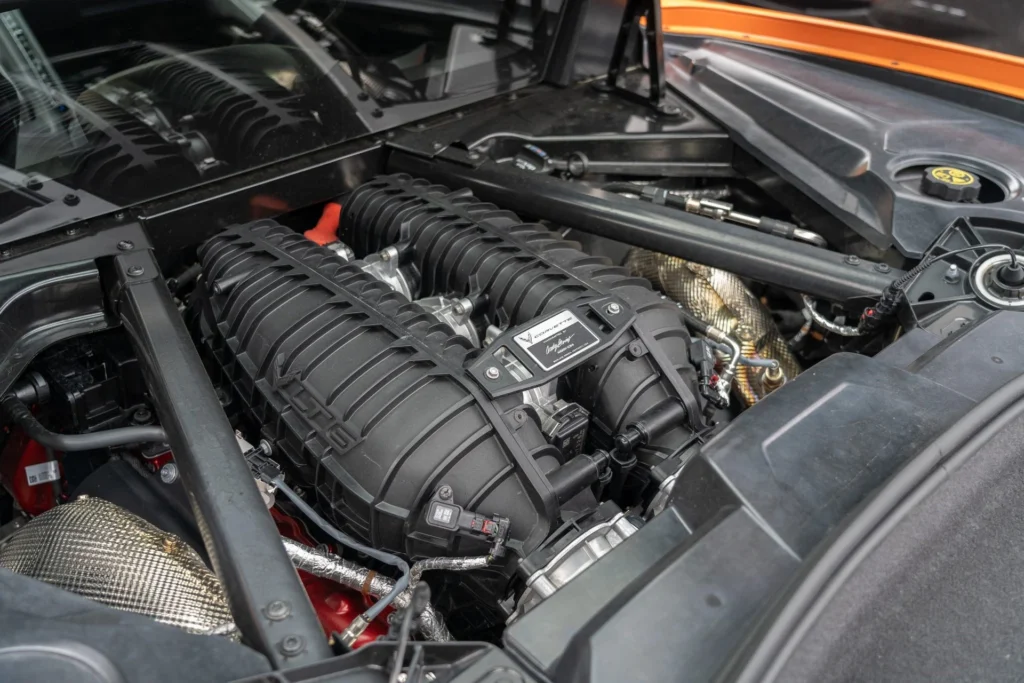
[(169, 473), (952, 274), (362, 97), (276, 610), (292, 645), (71, 199), (882, 267), (126, 245), (5, 253), (613, 309), (33, 183), (445, 492), (136, 271), (852, 260), (377, 113), (459, 308), (473, 156), (437, 146), (71, 232), (492, 373)]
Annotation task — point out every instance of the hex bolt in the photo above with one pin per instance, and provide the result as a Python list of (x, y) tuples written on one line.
[(71, 199), (136, 271), (952, 274), (169, 473), (445, 492), (292, 645), (852, 260), (126, 245), (613, 309), (276, 610), (882, 267), (492, 373), (463, 307)]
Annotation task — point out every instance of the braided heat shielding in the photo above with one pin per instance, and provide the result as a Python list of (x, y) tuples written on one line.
[(99, 550), (717, 297)]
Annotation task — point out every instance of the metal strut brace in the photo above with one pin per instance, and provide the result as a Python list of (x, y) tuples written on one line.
[(650, 10)]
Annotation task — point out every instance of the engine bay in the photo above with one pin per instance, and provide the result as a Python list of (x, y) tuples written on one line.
[(373, 350)]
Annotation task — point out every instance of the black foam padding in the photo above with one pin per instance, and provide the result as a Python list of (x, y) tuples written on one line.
[(940, 599)]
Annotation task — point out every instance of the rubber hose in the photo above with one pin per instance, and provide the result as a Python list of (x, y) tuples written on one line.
[(68, 443)]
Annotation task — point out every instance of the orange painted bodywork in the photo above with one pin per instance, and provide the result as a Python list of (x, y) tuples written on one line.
[(970, 66)]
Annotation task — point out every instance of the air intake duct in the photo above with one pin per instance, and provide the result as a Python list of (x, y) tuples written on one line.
[(518, 272)]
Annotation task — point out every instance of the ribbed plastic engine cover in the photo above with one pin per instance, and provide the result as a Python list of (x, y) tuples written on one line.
[(461, 244), (366, 395), (99, 550)]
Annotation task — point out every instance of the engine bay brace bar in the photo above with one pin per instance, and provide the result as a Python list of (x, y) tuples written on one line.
[(238, 532)]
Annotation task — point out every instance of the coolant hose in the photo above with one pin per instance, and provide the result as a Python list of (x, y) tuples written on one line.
[(68, 443)]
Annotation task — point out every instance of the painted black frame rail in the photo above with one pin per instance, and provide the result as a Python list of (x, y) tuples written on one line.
[(238, 532), (762, 257)]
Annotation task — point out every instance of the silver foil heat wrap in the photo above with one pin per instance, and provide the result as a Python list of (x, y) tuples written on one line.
[(99, 550)]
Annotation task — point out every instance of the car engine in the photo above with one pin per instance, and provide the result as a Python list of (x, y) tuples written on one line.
[(462, 385), (345, 355)]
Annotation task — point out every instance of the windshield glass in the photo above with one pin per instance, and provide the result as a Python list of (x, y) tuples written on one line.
[(117, 102)]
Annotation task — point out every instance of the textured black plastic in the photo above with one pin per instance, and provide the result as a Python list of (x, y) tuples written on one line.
[(760, 499), (466, 247), (365, 393)]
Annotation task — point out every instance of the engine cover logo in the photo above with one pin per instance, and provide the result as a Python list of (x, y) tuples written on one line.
[(556, 340)]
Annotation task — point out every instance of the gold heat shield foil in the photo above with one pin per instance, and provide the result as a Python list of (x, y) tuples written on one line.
[(100, 550), (717, 297)]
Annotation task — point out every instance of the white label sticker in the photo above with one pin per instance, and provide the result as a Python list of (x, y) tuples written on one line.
[(42, 473), (556, 340)]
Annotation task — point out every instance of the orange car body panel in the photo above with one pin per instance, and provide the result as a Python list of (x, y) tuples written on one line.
[(969, 66)]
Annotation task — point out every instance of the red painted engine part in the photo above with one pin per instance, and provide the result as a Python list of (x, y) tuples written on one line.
[(326, 230), (21, 452), (336, 605)]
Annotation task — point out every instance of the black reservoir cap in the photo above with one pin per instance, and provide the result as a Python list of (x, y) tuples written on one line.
[(951, 183)]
